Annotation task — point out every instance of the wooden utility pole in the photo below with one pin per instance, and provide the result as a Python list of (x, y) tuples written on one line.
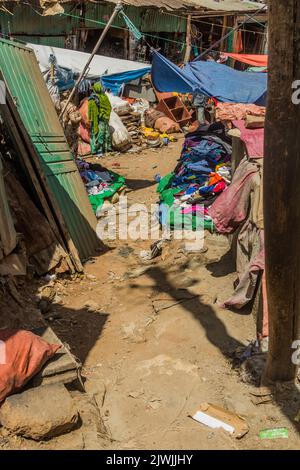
[(188, 39), (282, 188)]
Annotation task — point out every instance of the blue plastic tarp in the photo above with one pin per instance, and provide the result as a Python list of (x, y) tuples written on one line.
[(210, 78), (115, 82)]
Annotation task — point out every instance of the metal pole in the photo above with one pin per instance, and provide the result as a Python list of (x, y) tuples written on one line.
[(117, 9)]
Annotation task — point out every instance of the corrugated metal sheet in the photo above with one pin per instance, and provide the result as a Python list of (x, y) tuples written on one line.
[(52, 41), (154, 21), (8, 236), (190, 5), (27, 21), (24, 80), (102, 12), (213, 5)]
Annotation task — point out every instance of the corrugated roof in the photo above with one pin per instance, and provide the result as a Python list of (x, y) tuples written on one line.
[(213, 5)]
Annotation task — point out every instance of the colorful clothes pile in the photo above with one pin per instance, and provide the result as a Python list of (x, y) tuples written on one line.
[(202, 173), (100, 183)]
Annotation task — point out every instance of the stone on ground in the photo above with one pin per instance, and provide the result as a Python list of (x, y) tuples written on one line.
[(39, 413)]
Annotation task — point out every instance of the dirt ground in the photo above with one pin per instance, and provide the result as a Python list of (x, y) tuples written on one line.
[(153, 342)]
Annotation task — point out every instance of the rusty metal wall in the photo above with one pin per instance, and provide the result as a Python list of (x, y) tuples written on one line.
[(8, 236)]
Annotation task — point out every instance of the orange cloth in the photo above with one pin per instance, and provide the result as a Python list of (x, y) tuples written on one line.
[(238, 42), (252, 59), (214, 178)]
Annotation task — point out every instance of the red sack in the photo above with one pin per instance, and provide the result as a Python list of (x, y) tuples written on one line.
[(84, 149), (84, 111), (22, 355), (166, 125), (84, 133)]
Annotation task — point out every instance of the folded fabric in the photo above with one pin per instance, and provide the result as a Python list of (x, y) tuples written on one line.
[(231, 207), (253, 139)]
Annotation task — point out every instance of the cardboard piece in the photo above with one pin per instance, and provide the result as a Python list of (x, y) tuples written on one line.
[(216, 417), (254, 122)]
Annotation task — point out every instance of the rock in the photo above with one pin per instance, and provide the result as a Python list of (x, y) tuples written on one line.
[(44, 306), (91, 277), (92, 306), (139, 272), (39, 413)]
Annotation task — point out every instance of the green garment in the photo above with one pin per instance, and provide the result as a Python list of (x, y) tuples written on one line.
[(98, 199), (175, 218), (101, 141), (99, 108), (165, 182)]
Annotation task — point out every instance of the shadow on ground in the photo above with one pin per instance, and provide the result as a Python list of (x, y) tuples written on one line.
[(287, 396)]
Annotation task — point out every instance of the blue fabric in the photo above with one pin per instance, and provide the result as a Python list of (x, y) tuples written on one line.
[(115, 82), (210, 78), (199, 167)]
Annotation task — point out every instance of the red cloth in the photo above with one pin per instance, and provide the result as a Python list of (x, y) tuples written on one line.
[(253, 139), (252, 59), (232, 206)]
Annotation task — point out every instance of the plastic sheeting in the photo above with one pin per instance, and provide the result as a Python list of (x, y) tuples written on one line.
[(75, 61), (114, 72), (210, 78), (251, 59), (115, 82)]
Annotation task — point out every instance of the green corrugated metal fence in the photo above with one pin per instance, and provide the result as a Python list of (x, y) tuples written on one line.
[(27, 21), (28, 89)]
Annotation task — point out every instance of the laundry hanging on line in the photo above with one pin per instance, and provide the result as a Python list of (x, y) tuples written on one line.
[(256, 60)]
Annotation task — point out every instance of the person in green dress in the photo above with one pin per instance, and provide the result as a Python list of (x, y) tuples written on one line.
[(99, 111)]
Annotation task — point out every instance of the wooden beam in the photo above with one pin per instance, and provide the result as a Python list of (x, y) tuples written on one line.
[(282, 189), (224, 31), (188, 49)]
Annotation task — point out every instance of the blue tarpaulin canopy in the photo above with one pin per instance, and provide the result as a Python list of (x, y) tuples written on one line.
[(210, 78), (114, 82)]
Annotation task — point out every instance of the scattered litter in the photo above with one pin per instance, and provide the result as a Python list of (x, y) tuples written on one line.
[(275, 433), (49, 277), (216, 417), (261, 396), (145, 255), (243, 353), (156, 249), (164, 304), (125, 251)]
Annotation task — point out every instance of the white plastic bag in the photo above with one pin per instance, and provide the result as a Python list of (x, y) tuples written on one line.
[(121, 139), (121, 107)]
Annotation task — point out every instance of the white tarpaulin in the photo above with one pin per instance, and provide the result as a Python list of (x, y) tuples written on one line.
[(76, 61)]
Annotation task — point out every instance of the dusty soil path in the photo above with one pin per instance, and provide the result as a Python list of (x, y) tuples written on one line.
[(148, 367)]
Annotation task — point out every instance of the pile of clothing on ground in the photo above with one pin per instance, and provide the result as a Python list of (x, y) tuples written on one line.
[(100, 183), (203, 172)]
